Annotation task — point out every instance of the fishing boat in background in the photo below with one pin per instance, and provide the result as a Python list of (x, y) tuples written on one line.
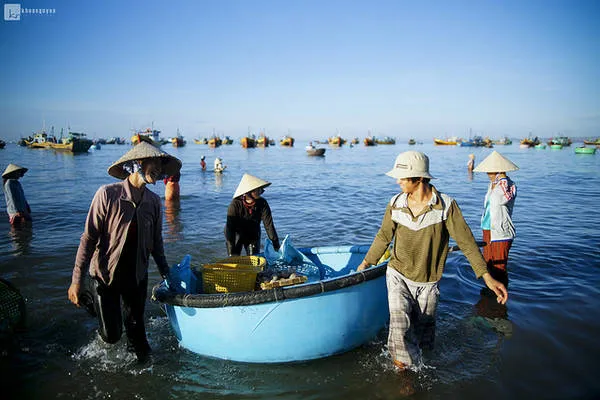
[(412, 141), (369, 141), (214, 141), (227, 140), (316, 152), (336, 141), (529, 142), (559, 140), (585, 150), (149, 135), (115, 140), (178, 140), (2, 144), (41, 140), (74, 142), (385, 140), (287, 141), (262, 140), (593, 142), (453, 141), (540, 146), (341, 310), (504, 141), (248, 142)]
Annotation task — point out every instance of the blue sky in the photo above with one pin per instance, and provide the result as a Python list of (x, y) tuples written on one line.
[(418, 69)]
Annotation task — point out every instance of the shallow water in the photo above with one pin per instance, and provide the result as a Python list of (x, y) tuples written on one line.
[(548, 350)]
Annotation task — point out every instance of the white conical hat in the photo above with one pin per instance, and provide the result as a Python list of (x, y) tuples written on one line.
[(13, 168), (248, 184), (142, 151), (496, 162)]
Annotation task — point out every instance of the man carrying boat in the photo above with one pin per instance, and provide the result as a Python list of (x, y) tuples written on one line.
[(420, 221), (123, 228)]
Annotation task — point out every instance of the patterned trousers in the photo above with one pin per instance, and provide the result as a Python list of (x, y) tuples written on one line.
[(412, 317)]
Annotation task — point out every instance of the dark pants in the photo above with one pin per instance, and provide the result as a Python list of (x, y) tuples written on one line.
[(251, 247), (122, 303)]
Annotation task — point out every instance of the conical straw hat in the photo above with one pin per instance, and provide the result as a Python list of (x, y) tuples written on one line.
[(142, 151), (248, 184), (13, 168), (496, 162)]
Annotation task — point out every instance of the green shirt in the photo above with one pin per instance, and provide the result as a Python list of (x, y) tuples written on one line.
[(421, 242)]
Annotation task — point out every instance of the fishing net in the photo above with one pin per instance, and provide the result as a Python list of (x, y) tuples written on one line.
[(283, 268), (287, 260), (12, 308)]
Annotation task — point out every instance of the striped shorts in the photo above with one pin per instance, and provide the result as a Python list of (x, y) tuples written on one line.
[(412, 317)]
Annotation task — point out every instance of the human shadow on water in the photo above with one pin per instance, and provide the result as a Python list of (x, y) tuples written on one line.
[(494, 315)]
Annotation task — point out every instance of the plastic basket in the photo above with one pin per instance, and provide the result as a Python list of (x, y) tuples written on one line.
[(250, 261), (231, 275)]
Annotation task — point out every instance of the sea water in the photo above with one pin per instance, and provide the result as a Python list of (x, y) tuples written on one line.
[(545, 346)]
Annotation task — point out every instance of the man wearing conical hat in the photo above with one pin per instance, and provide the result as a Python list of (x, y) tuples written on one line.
[(244, 215), (496, 220), (420, 221), (123, 228), (17, 207)]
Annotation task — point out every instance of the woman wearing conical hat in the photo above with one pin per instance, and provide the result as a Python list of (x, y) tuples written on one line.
[(244, 215), (123, 228), (17, 207), (496, 220)]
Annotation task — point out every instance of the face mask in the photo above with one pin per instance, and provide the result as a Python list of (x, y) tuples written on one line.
[(134, 167)]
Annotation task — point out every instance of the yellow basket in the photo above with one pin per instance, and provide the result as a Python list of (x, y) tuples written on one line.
[(231, 275), (250, 261)]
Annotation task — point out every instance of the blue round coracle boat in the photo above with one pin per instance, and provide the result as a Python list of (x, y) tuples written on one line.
[(293, 323)]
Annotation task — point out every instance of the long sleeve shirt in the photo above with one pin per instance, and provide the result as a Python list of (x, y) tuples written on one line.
[(15, 198), (243, 224), (421, 242), (498, 207), (106, 227)]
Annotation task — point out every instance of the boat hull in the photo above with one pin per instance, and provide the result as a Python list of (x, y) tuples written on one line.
[(316, 152), (441, 142), (297, 327), (585, 150)]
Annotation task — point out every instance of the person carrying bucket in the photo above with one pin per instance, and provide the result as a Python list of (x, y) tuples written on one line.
[(419, 221), (244, 215), (123, 228), (17, 207), (496, 220)]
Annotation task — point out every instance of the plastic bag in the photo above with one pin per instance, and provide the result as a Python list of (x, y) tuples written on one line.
[(287, 253), (181, 278), (288, 256)]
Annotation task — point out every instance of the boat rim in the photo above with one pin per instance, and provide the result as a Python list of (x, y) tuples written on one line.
[(162, 294)]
